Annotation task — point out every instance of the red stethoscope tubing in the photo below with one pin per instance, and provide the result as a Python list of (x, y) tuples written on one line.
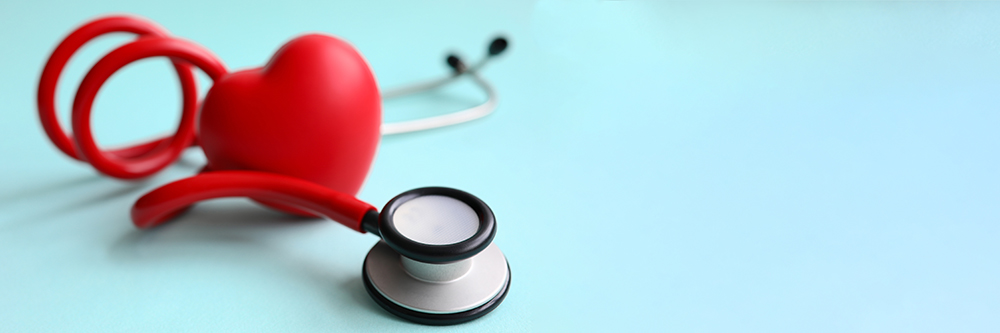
[(164, 203), (140, 160), (144, 159), (165, 153)]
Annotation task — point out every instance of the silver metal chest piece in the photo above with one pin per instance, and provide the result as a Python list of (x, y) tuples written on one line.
[(436, 264)]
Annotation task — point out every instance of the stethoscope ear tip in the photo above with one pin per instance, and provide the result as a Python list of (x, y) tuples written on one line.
[(456, 63), (498, 45)]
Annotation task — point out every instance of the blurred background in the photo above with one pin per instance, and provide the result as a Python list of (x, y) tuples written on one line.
[(653, 165)]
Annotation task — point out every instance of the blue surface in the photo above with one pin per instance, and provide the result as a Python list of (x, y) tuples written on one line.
[(688, 167)]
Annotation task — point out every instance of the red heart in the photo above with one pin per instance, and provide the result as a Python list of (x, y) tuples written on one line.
[(312, 112)]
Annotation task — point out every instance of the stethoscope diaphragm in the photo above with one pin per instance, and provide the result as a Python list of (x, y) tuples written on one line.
[(436, 264)]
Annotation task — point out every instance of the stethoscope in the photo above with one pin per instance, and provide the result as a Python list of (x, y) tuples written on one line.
[(436, 262)]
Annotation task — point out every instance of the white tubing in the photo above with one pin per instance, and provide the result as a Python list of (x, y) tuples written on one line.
[(449, 119)]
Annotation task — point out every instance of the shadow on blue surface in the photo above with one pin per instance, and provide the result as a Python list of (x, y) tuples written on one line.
[(217, 231), (46, 189), (54, 208)]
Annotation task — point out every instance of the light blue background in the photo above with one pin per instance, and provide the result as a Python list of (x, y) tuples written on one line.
[(682, 167)]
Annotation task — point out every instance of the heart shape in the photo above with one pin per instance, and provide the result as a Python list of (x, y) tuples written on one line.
[(312, 112)]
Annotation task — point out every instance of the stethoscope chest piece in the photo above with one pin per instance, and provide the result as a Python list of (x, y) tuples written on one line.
[(476, 293), (436, 264)]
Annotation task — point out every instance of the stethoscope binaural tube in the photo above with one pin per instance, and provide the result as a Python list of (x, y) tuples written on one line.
[(436, 263), (459, 69)]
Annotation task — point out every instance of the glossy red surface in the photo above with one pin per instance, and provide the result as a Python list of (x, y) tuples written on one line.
[(312, 112), (137, 161), (164, 203), (309, 118)]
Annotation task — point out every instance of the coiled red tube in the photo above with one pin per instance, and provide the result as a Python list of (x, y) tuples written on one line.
[(139, 160), (147, 158)]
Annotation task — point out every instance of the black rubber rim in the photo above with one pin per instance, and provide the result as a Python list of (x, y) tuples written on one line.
[(432, 318), (438, 253)]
